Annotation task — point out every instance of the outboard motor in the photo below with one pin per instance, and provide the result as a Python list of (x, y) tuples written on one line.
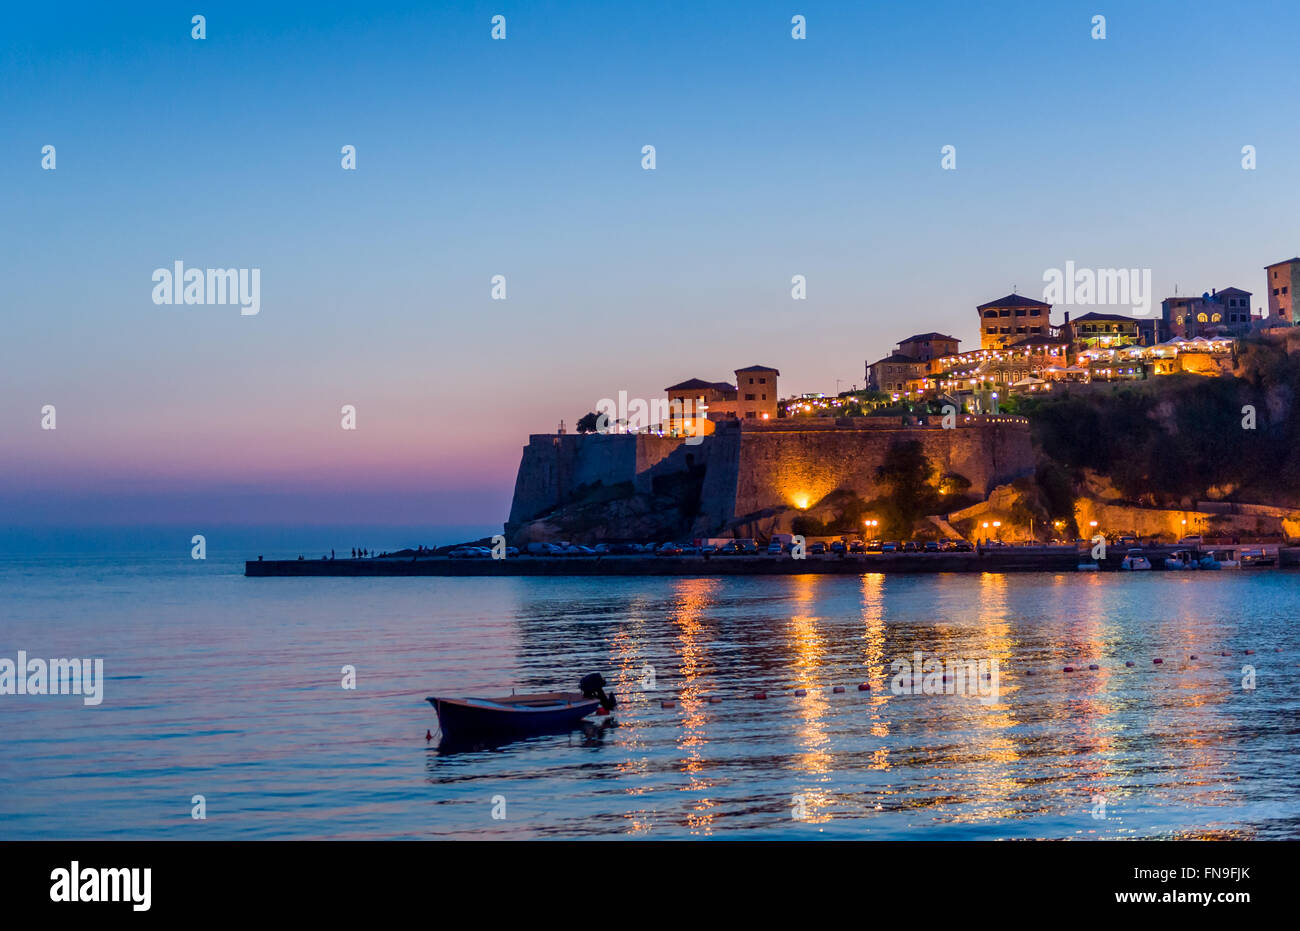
[(593, 686)]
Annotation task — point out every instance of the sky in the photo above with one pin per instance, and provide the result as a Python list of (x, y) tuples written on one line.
[(522, 158)]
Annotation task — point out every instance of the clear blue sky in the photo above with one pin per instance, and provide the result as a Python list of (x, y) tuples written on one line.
[(478, 157)]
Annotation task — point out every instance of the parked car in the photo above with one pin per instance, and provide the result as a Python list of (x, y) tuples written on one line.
[(875, 546), (746, 547), (931, 546), (911, 546), (839, 547), (670, 549), (774, 548), (817, 549), (962, 546), (709, 549), (889, 546), (857, 546)]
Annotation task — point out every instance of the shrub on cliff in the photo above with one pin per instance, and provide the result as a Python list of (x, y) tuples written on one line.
[(906, 478), (1175, 437)]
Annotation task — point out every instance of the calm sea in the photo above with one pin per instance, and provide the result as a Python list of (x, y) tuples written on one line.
[(230, 688)]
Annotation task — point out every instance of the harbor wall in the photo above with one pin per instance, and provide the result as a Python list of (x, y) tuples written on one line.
[(759, 476)]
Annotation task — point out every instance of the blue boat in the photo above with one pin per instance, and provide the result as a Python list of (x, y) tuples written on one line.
[(542, 713)]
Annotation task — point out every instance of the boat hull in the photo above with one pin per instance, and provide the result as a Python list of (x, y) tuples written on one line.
[(516, 715)]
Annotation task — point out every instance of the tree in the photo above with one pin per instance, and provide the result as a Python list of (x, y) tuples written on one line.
[(905, 475), (588, 423)]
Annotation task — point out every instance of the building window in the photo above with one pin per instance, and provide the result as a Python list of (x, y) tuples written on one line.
[(749, 397)]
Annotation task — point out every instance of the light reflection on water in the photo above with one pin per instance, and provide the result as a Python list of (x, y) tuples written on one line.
[(229, 687)]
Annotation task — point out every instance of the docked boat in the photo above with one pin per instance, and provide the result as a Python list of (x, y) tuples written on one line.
[(1134, 561), (538, 713), (1185, 560), (1223, 559), (1256, 559)]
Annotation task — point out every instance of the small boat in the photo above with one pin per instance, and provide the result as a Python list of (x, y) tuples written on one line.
[(1135, 561), (1088, 567), (539, 713), (1181, 560), (1223, 559), (1253, 559)]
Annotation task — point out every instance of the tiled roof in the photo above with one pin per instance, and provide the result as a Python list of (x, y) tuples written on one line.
[(899, 358), (699, 384), (1013, 300), (1106, 318), (921, 337)]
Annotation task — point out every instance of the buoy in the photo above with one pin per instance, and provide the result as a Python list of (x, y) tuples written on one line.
[(602, 711), (1030, 672), (428, 735), (838, 689), (1093, 666), (1068, 669), (715, 700), (1157, 661), (665, 704), (760, 695), (1129, 663), (864, 687), (1250, 652), (1194, 656), (800, 693)]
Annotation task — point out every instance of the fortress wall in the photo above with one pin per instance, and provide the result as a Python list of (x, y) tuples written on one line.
[(798, 465), (755, 469), (553, 466)]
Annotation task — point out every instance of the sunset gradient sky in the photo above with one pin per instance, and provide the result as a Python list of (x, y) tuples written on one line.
[(522, 158)]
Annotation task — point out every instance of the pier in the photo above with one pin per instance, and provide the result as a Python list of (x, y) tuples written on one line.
[(993, 559)]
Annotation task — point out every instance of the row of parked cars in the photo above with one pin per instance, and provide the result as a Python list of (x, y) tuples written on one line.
[(478, 552), (820, 548), (726, 548)]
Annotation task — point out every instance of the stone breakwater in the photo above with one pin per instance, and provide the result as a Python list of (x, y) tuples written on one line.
[(1000, 559)]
